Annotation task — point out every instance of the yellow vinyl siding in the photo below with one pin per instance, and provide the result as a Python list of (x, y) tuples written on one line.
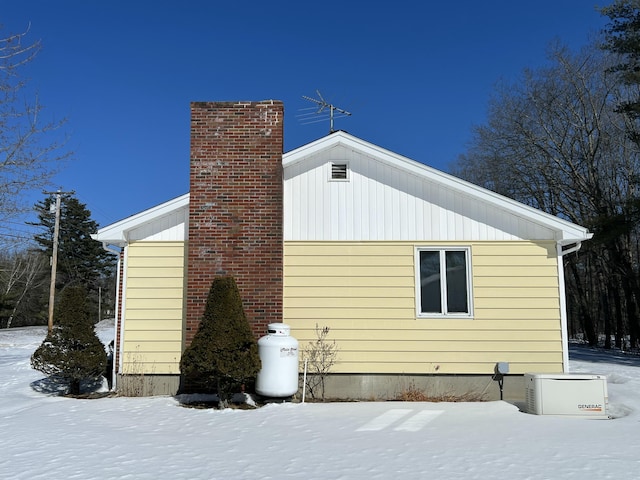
[(538, 314), (156, 313), (437, 325), (339, 270), (516, 292), (151, 272), (154, 293), (146, 282), (151, 343), (144, 325), (154, 308), (345, 335), (152, 261), (512, 282), (151, 336), (150, 363), (364, 315), (350, 291), (306, 282), (351, 302), (150, 302), (443, 358), (365, 293), (391, 368)]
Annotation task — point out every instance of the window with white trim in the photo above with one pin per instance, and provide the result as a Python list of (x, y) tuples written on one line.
[(443, 282)]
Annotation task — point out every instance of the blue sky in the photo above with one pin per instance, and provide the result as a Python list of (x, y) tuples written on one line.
[(416, 75)]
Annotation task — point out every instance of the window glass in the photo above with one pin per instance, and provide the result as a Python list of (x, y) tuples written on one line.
[(431, 300), (456, 282), (444, 287)]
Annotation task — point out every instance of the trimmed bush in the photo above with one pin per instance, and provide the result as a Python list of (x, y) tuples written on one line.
[(71, 351), (223, 355)]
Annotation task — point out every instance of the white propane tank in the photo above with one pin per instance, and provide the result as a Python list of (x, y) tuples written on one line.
[(279, 355)]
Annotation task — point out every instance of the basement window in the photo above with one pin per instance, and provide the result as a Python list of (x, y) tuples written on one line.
[(339, 171)]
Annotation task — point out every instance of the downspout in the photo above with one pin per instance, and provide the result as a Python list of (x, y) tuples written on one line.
[(124, 269), (564, 328), (575, 248), (118, 253)]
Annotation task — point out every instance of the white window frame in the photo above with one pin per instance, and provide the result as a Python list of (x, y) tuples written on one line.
[(443, 282)]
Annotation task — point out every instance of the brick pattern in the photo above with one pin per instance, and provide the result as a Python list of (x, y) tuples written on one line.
[(235, 208)]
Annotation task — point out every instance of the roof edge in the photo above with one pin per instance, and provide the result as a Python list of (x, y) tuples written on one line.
[(569, 230), (115, 234)]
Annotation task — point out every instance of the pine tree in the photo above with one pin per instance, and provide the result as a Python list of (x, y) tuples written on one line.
[(224, 353), (72, 350), (81, 260), (622, 37)]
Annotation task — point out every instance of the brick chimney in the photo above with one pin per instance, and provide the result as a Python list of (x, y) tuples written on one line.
[(235, 208)]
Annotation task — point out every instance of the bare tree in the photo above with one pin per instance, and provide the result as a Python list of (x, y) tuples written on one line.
[(555, 141), (20, 273), (29, 156)]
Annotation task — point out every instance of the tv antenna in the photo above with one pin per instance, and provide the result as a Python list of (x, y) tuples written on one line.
[(322, 105)]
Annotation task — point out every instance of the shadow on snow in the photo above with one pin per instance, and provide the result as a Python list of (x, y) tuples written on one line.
[(586, 353)]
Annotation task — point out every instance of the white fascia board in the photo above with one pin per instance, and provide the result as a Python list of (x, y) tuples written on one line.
[(298, 154), (116, 233), (566, 232)]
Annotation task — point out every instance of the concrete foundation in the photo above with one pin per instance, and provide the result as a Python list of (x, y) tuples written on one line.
[(147, 385), (366, 387), (429, 387)]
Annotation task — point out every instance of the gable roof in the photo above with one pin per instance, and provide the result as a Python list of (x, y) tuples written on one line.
[(173, 215), (460, 191), (163, 217)]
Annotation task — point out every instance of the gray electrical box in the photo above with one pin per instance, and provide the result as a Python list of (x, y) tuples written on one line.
[(502, 367)]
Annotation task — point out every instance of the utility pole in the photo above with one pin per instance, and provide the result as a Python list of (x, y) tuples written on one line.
[(54, 256)]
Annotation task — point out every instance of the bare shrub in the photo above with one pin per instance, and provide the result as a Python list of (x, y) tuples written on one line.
[(321, 356), (136, 383), (413, 394)]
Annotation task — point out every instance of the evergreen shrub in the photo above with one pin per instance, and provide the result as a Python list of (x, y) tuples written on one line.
[(72, 351), (223, 355)]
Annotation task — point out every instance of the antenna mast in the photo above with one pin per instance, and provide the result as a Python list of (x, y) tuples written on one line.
[(332, 108)]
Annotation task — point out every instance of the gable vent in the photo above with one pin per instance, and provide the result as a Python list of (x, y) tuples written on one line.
[(339, 171)]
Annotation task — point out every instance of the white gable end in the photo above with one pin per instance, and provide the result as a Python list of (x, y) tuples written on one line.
[(383, 199), (165, 222), (168, 228)]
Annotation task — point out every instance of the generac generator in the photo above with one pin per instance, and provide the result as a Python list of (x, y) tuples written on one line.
[(567, 395)]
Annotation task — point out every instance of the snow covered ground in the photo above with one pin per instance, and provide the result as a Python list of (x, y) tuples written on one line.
[(47, 436)]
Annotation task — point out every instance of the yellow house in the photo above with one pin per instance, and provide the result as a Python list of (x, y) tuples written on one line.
[(424, 280)]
